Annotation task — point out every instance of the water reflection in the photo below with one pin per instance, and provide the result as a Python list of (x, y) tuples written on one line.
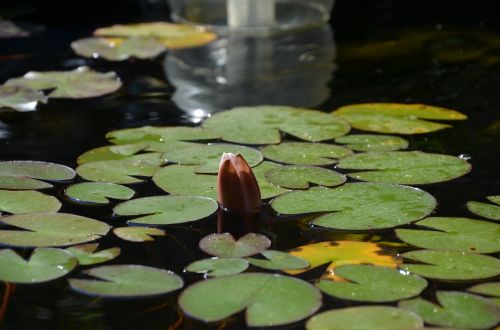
[(288, 69), (4, 132)]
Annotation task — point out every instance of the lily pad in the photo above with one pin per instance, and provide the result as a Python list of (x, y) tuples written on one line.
[(454, 234), (451, 265), (20, 99), (98, 192), (358, 206), (299, 177), (277, 260), (264, 124), (172, 36), (486, 289), (397, 118), (124, 281), (51, 229), (372, 142), (163, 135), (225, 246), (405, 167), (365, 318), (112, 152), (138, 234), (86, 255), (339, 253), (45, 264), (117, 49), (207, 157), (303, 153), (17, 202), (456, 309), (215, 267), (372, 284), (25, 175), (484, 210), (269, 300), (167, 210), (79, 83)]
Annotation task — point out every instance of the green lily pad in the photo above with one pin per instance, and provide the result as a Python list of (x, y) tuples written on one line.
[(125, 281), (51, 229), (277, 260), (25, 175), (262, 125), (79, 83), (45, 264), (455, 234), (373, 284), (97, 192), (269, 300), (161, 135), (451, 265), (484, 210), (208, 156), (121, 171), (86, 255), (138, 234), (365, 318), (397, 118), (372, 142), (215, 267), (456, 309), (486, 289), (167, 210), (299, 177), (117, 49), (112, 152), (405, 167), (358, 206), (20, 99), (302, 153), (17, 202), (225, 246)]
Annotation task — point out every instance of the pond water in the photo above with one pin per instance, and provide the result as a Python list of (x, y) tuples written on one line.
[(453, 64)]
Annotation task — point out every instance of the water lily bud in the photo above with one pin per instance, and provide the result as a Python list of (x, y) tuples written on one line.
[(237, 188)]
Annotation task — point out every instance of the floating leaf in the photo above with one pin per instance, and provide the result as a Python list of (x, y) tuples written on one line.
[(120, 281), (299, 177), (269, 300), (208, 156), (97, 192), (277, 260), (484, 210), (121, 171), (303, 153), (372, 142), (117, 49), (167, 210), (215, 267), (45, 264), (358, 206), (172, 36), (262, 125), (487, 289), (162, 135), (405, 167), (365, 318), (86, 255), (456, 309), (455, 234), (397, 118), (51, 229), (17, 202), (24, 175), (112, 152), (20, 99), (225, 246), (138, 234), (452, 265), (339, 253), (79, 83), (372, 284)]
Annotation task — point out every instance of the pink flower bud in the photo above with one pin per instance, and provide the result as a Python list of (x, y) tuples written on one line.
[(237, 188)]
